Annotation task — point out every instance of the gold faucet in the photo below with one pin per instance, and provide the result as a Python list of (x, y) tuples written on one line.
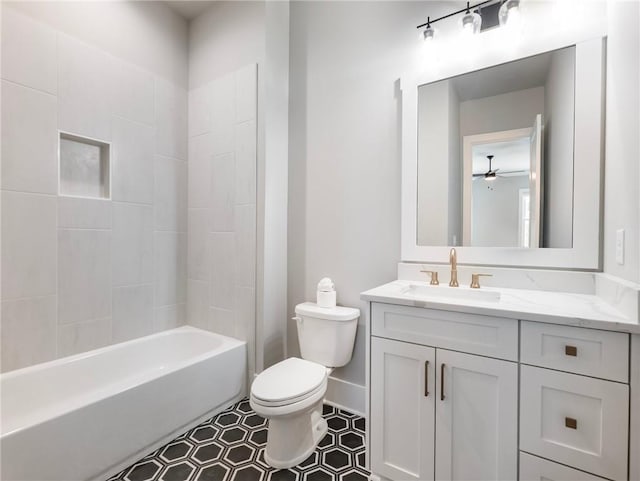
[(453, 260)]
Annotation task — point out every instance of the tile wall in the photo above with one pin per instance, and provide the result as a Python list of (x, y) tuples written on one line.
[(81, 273), (222, 206)]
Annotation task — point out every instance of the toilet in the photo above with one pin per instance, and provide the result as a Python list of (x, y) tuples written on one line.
[(290, 393)]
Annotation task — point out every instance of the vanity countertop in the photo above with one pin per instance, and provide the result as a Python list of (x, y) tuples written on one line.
[(566, 308)]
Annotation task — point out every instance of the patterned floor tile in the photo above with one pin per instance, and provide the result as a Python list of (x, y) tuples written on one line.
[(230, 447)]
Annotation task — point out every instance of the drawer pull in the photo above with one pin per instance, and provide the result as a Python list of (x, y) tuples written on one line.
[(442, 382), (571, 423), (426, 379), (570, 350)]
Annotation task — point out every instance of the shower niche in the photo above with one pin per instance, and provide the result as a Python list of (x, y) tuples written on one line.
[(84, 167)]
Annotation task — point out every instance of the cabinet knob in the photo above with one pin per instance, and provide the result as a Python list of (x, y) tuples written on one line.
[(570, 350), (571, 423)]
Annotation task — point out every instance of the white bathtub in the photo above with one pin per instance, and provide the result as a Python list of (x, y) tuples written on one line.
[(88, 416)]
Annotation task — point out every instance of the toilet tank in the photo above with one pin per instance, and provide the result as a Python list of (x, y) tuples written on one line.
[(326, 334)]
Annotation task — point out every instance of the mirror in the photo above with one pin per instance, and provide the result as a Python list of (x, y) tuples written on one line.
[(496, 155)]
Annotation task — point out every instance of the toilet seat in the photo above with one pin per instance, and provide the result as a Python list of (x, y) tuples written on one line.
[(289, 382)]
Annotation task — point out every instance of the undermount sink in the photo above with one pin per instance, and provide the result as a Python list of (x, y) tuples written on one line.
[(428, 292)]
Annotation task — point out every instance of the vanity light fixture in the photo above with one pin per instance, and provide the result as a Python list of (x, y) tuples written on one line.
[(471, 22)]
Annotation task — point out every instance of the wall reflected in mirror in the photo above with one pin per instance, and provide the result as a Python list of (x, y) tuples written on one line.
[(495, 155)]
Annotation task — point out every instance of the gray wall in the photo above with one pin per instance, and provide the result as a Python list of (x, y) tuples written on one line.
[(496, 211), (513, 110), (344, 149), (82, 273), (437, 121), (622, 172), (223, 153), (558, 150)]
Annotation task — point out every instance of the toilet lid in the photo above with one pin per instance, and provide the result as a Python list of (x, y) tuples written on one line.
[(288, 380)]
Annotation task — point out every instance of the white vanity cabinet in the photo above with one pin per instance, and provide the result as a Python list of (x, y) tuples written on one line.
[(439, 412), (459, 396)]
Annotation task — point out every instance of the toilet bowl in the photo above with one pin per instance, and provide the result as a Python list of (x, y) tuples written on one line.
[(290, 393)]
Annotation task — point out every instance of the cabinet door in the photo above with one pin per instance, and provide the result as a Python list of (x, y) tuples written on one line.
[(476, 418), (402, 409)]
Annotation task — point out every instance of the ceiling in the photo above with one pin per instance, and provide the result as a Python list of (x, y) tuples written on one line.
[(189, 9), (509, 156)]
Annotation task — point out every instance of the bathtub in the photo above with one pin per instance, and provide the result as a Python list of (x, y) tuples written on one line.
[(90, 415)]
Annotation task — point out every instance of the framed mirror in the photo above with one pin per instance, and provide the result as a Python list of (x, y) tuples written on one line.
[(505, 162)]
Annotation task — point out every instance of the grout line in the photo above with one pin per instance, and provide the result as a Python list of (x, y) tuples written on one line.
[(29, 193), (126, 286), (85, 229), (30, 88)]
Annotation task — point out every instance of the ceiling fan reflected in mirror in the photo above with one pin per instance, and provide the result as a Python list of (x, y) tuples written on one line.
[(492, 174)]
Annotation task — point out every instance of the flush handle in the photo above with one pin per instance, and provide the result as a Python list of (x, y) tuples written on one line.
[(426, 379), (571, 423), (297, 319), (570, 350)]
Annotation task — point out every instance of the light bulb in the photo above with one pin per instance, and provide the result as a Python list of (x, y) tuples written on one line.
[(471, 23), (509, 13), (429, 34)]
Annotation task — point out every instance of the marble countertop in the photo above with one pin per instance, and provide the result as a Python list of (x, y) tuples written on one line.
[(581, 310)]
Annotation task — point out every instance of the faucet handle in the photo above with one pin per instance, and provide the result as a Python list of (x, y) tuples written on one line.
[(475, 280), (434, 277)]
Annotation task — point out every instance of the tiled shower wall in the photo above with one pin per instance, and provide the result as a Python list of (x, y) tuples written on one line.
[(222, 206), (82, 273)]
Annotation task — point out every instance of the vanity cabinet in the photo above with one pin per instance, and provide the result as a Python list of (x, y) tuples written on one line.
[(439, 412), (458, 396)]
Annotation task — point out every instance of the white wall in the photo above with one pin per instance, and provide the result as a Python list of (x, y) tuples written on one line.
[(226, 57), (344, 175), (455, 170), (513, 110), (83, 273), (435, 120), (223, 40), (344, 149), (558, 150), (495, 211), (147, 34), (273, 189), (222, 207), (622, 166)]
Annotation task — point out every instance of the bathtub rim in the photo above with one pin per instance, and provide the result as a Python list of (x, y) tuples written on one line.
[(120, 387)]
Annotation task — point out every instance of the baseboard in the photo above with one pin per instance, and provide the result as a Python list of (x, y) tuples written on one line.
[(346, 395)]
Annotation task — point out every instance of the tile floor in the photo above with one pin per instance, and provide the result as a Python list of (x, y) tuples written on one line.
[(230, 447)]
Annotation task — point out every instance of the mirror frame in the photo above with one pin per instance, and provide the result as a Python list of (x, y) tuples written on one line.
[(588, 162)]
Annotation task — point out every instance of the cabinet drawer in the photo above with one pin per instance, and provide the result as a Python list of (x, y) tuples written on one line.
[(575, 420), (533, 468), (484, 335), (590, 352)]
